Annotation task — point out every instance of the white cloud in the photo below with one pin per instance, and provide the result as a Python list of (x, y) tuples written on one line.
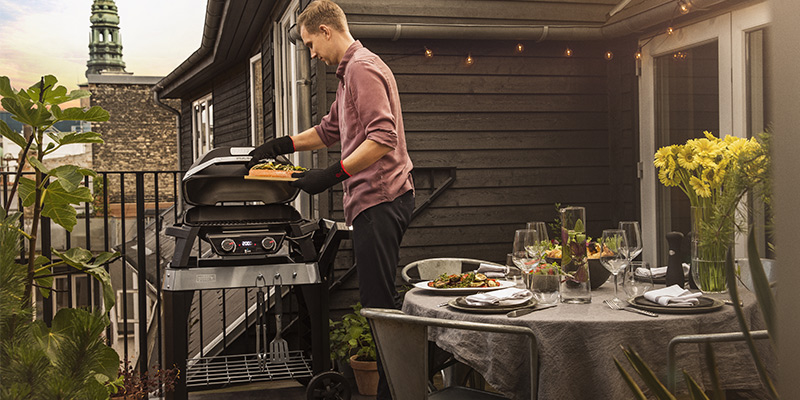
[(40, 37)]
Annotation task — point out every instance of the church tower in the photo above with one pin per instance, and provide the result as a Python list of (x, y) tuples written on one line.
[(105, 43)]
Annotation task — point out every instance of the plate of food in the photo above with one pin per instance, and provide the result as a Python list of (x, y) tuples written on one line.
[(273, 171), (468, 282)]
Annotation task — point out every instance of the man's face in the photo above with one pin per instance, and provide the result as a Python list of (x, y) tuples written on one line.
[(319, 44)]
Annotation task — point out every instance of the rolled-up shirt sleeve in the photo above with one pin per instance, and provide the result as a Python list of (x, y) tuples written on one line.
[(369, 93), (328, 128)]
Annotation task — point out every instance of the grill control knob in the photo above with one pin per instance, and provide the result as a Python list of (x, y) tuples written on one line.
[(228, 245), (268, 243)]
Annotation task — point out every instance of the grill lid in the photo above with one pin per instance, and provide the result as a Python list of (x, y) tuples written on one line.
[(218, 176)]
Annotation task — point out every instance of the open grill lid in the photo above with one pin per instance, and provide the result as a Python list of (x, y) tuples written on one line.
[(218, 176)]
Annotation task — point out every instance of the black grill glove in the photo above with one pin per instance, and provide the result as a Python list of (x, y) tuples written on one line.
[(315, 181), (271, 149)]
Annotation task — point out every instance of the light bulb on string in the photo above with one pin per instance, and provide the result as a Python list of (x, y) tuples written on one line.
[(520, 48), (684, 7), (568, 52), (670, 31), (638, 54), (469, 60), (609, 55), (428, 53)]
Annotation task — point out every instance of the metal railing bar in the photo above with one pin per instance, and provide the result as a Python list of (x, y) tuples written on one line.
[(141, 257), (124, 269)]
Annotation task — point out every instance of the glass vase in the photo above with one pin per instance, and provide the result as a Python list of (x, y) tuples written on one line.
[(710, 244), (575, 285)]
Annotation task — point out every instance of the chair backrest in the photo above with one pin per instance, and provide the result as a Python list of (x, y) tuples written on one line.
[(402, 342), (431, 268)]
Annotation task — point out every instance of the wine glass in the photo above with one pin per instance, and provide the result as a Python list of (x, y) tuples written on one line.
[(524, 239), (637, 279), (634, 236), (544, 240), (613, 255)]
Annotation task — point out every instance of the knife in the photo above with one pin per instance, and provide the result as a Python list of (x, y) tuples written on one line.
[(526, 311)]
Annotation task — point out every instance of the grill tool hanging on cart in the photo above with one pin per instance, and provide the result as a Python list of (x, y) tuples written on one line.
[(256, 238)]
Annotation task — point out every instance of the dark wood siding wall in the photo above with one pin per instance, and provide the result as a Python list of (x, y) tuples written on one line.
[(232, 107), (268, 82), (525, 130)]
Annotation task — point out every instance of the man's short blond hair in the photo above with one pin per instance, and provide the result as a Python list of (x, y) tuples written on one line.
[(322, 12)]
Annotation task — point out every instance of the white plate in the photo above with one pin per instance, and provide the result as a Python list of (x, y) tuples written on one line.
[(424, 286)]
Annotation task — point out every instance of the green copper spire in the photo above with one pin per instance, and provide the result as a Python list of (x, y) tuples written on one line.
[(105, 44)]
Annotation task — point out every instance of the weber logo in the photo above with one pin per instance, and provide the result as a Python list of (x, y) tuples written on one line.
[(205, 278)]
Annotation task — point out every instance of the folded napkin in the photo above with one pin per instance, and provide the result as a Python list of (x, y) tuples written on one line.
[(673, 296), (492, 271), (660, 272), (503, 297)]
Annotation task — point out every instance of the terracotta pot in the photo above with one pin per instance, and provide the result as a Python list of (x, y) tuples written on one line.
[(366, 376)]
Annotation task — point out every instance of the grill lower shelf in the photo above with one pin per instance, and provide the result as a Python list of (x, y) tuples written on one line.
[(244, 368)]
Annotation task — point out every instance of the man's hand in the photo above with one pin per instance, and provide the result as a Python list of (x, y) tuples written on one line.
[(315, 181), (271, 149)]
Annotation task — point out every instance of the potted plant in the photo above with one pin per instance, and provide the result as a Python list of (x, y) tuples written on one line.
[(132, 384), (352, 342)]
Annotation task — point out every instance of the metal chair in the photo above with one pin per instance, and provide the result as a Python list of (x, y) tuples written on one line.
[(431, 268), (402, 342), (702, 338)]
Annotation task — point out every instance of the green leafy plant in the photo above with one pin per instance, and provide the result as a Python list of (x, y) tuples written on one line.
[(53, 191), (69, 359), (352, 335)]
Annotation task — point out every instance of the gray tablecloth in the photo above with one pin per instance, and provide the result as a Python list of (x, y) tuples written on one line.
[(577, 344)]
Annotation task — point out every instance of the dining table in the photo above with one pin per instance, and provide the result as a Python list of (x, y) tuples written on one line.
[(578, 343)]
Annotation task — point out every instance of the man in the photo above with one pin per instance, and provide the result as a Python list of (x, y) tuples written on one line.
[(375, 169)]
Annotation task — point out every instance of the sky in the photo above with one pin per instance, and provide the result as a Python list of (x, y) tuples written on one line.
[(51, 37)]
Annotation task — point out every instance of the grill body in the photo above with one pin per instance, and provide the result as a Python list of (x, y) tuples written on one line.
[(239, 233)]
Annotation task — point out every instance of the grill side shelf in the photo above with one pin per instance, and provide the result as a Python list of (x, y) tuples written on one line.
[(179, 279)]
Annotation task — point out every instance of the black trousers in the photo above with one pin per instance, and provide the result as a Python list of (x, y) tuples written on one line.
[(377, 233)]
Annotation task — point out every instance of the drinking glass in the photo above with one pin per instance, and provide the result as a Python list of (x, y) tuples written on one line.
[(634, 236), (544, 283), (613, 255), (637, 279), (524, 239), (543, 243)]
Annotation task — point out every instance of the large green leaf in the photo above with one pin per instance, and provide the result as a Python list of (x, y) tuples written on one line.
[(83, 260), (76, 137), (56, 193), (62, 214), (11, 135), (38, 164), (27, 191), (49, 338), (41, 277), (68, 176), (94, 114), (108, 365), (766, 300), (5, 88)]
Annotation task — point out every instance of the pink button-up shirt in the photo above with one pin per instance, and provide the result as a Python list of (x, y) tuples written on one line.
[(367, 106)]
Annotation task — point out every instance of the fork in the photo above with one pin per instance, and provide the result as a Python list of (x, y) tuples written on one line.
[(615, 306)]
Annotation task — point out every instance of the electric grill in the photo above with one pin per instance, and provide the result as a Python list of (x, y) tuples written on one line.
[(256, 239)]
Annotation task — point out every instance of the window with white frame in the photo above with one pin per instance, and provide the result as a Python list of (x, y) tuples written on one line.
[(202, 126), (703, 76)]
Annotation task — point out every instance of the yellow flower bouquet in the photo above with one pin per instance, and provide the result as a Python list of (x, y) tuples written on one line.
[(715, 174)]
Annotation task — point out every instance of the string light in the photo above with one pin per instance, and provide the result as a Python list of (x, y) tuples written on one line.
[(469, 60), (638, 54), (684, 6), (568, 52), (428, 53), (609, 55), (680, 56), (669, 31), (520, 48)]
